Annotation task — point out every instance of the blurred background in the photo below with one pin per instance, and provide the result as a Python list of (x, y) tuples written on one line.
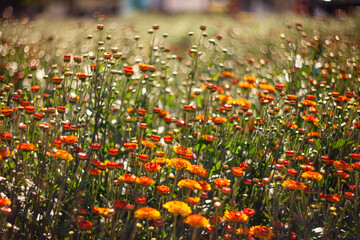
[(87, 8)]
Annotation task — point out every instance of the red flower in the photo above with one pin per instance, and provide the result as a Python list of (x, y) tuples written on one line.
[(85, 225), (128, 71)]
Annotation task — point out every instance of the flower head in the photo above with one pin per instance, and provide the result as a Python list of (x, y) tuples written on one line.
[(235, 216), (178, 207), (147, 212), (196, 221), (179, 163), (163, 189), (312, 175), (128, 178), (152, 167), (261, 232), (222, 182), (144, 180), (204, 186), (69, 139), (188, 183), (197, 170), (293, 185), (84, 224), (182, 150), (26, 147), (61, 154)]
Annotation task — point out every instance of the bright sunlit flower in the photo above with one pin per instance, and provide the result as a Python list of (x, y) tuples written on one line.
[(196, 221), (148, 213), (178, 207), (235, 216), (293, 185)]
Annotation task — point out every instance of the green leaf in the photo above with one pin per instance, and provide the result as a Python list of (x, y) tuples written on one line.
[(169, 100), (266, 215), (339, 143), (318, 144)]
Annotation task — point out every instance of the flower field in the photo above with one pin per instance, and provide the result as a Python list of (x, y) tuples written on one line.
[(218, 131)]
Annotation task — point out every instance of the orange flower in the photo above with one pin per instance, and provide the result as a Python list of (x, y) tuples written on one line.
[(4, 152), (178, 207), (69, 139), (168, 139), (250, 79), (310, 119), (342, 165), (147, 212), (356, 166), (6, 136), (261, 232), (4, 202), (113, 151), (179, 163), (182, 150), (7, 112), (312, 175), (208, 138), (193, 200), (307, 167), (128, 178), (152, 167), (163, 189), (331, 198), (308, 103), (196, 221), (202, 117), (162, 161), (291, 97), (228, 74), (94, 172), (144, 180), (219, 120), (61, 154), (246, 85), (313, 134), (149, 144), (222, 182), (198, 170), (188, 183), (143, 157), (293, 185), (130, 146), (26, 147), (204, 186), (237, 171), (355, 156), (267, 87), (235, 216), (104, 211)]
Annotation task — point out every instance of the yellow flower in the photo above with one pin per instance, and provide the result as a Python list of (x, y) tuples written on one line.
[(196, 221), (178, 207), (147, 212), (179, 163), (188, 183)]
